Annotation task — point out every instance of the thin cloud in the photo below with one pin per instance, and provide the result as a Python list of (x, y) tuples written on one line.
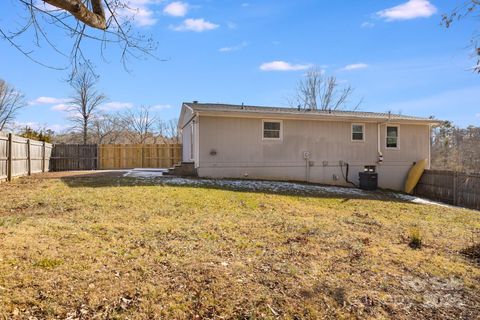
[(39, 126), (30, 124), (233, 48), (61, 107), (106, 107), (139, 12), (115, 105), (46, 6), (411, 9), (231, 25), (367, 25), (195, 25), (355, 66), (47, 100), (142, 17), (176, 9), (283, 66)]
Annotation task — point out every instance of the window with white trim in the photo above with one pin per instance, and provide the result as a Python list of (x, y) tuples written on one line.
[(272, 129), (392, 136), (358, 132)]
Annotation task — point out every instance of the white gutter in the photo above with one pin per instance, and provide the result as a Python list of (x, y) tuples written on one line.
[(379, 145), (429, 145)]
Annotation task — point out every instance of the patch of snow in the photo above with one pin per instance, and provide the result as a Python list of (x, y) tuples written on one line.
[(248, 185), (418, 200), (273, 186), (151, 169), (145, 173)]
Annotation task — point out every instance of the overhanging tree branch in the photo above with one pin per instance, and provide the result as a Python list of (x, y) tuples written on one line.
[(106, 22), (94, 18)]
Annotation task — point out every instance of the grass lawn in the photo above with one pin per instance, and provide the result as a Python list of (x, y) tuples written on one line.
[(110, 247)]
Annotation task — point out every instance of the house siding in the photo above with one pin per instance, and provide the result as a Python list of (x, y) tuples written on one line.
[(241, 152), (187, 142), (187, 137)]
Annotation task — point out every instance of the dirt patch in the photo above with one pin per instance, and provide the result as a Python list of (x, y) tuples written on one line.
[(472, 252), (80, 174)]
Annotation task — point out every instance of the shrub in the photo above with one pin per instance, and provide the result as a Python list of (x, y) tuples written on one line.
[(47, 263), (473, 250), (415, 238)]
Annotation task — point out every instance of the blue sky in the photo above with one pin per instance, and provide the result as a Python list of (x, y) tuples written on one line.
[(393, 52)]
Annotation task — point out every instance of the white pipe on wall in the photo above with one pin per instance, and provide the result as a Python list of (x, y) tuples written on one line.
[(379, 146)]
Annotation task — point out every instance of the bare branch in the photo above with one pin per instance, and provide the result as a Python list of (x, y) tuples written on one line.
[(139, 124), (107, 128), (11, 101), (319, 92), (465, 10), (79, 19)]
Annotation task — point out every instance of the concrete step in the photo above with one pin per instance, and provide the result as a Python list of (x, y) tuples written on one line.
[(182, 169)]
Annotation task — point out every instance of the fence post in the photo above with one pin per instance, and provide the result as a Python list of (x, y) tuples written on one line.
[(97, 164), (43, 156), (29, 158), (9, 157), (454, 188)]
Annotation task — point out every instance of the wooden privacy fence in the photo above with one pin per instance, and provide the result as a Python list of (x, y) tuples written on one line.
[(67, 157), (20, 156), (121, 156), (461, 189)]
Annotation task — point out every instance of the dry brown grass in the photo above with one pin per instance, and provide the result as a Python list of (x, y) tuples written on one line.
[(110, 247)]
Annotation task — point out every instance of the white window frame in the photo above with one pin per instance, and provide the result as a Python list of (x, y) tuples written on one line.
[(363, 132), (398, 137), (263, 130)]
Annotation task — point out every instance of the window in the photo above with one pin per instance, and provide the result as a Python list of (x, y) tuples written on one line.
[(272, 130), (392, 136), (358, 132)]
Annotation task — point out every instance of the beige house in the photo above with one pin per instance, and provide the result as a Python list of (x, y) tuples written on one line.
[(329, 147)]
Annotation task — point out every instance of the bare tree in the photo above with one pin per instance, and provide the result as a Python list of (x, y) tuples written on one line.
[(107, 22), (139, 124), (466, 9), (167, 131), (161, 132), (173, 131), (455, 148), (84, 101), (317, 91), (11, 100), (107, 128)]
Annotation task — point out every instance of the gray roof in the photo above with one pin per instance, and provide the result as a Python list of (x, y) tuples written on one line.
[(247, 109)]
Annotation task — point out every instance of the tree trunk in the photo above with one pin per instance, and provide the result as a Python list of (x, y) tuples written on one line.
[(85, 128)]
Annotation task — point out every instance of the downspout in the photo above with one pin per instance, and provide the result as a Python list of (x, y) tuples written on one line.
[(429, 145), (197, 140), (379, 146)]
